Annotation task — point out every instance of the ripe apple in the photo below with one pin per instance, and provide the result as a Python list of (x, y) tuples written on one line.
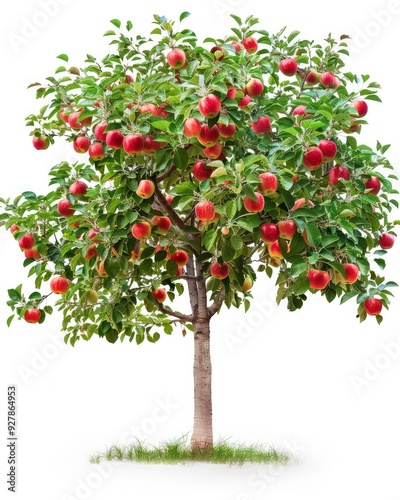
[(92, 235), (313, 158), (236, 46), (226, 131), (160, 295), (288, 67), (254, 206), (373, 306), (201, 172), (96, 151), (81, 144), (247, 284), (318, 279), (63, 115), (180, 257), (99, 132), (231, 94), (33, 253), (300, 111), (208, 136), (220, 271), (210, 106), (262, 125), (386, 241), (329, 150), (75, 122), (64, 208), (169, 198), (374, 185), (225, 230), (250, 44), (176, 58), (274, 250), (268, 184), (14, 228), (128, 79), (352, 273), (312, 78), (352, 128), (287, 229), (361, 106), (254, 87), (133, 143), (78, 188), (327, 79), (336, 173), (141, 230), (40, 143), (114, 139), (91, 252), (32, 315), (205, 210), (191, 128), (269, 232), (213, 152), (59, 285), (163, 223), (244, 102), (149, 108), (101, 269), (145, 189), (26, 242), (217, 48)]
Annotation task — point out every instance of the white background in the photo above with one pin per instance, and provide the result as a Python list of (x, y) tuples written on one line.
[(286, 379)]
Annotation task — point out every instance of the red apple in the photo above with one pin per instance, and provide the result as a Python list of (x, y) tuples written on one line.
[(59, 285), (312, 78), (78, 188), (218, 49), (373, 306), (337, 173), (169, 198), (149, 108), (269, 232), (288, 67), (96, 151), (287, 229), (133, 143), (218, 270), (318, 279), (32, 315), (99, 132), (208, 136), (250, 44), (64, 208), (274, 250), (76, 123), (262, 125), (33, 253), (180, 257), (128, 79), (213, 152), (254, 87), (176, 58), (327, 79), (114, 139), (163, 223), (244, 102), (141, 230), (231, 94), (145, 189), (386, 241), (226, 131), (247, 284), (63, 115), (91, 252), (352, 273), (191, 128), (26, 242), (205, 210), (201, 172), (160, 295), (329, 150), (352, 128), (14, 228), (210, 106), (254, 206), (236, 46), (374, 185), (269, 183), (361, 107), (101, 269), (81, 143), (40, 143), (92, 235), (313, 158), (300, 111)]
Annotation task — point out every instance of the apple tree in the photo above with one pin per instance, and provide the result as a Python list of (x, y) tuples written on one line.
[(204, 167)]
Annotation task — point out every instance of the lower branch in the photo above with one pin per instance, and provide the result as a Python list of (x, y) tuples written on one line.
[(186, 318), (216, 305)]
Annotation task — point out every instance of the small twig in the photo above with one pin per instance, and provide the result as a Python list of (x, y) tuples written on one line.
[(183, 317)]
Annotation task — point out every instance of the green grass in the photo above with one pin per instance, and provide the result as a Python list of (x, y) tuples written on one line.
[(179, 451)]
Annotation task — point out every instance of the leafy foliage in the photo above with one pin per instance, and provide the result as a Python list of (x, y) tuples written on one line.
[(111, 288)]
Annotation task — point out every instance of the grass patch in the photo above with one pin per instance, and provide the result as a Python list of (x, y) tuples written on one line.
[(179, 451)]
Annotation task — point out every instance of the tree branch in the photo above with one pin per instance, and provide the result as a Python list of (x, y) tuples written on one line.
[(183, 317), (175, 219), (164, 176), (216, 305)]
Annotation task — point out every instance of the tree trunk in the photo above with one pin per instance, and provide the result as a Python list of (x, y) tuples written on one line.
[(202, 437)]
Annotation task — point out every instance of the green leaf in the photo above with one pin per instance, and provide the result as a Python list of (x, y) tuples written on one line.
[(9, 320), (183, 16), (236, 242), (209, 239), (230, 209), (64, 57), (301, 285), (313, 234), (292, 36), (181, 158), (116, 22), (364, 266), (298, 267), (112, 336)]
